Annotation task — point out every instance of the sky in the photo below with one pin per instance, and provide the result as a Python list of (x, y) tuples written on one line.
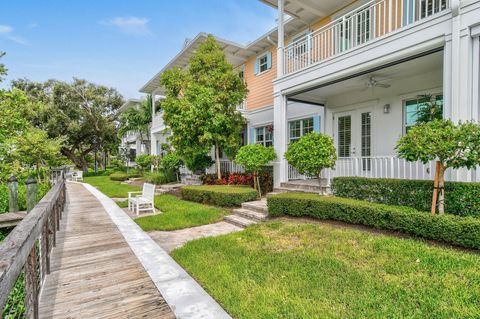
[(117, 43)]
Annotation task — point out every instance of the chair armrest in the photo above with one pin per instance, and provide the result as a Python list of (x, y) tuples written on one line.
[(130, 194)]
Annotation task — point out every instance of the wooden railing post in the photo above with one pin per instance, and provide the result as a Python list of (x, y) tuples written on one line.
[(12, 194), (31, 184), (31, 284)]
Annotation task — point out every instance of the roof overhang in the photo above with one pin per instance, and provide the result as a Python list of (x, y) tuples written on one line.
[(129, 104), (310, 11)]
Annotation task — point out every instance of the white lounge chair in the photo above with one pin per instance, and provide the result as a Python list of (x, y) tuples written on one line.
[(78, 176), (142, 201)]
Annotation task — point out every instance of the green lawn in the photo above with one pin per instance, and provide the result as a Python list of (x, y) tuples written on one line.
[(109, 187), (178, 214), (290, 270)]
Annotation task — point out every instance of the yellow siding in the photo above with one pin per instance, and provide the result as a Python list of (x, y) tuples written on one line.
[(260, 86)]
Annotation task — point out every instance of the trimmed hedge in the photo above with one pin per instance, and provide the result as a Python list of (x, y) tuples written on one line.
[(119, 176), (227, 196), (460, 198), (455, 230)]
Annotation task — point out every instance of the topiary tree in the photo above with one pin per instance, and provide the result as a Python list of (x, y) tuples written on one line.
[(451, 145), (143, 161), (253, 158), (311, 154)]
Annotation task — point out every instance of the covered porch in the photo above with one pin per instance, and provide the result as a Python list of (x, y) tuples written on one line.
[(366, 114)]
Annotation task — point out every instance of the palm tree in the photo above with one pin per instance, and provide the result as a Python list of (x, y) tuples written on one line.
[(138, 120)]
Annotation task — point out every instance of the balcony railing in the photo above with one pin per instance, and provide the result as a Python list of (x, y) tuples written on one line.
[(366, 23), (374, 167), (226, 166)]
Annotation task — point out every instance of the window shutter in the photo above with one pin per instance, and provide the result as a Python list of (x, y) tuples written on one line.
[(316, 123), (252, 136), (256, 67), (269, 60)]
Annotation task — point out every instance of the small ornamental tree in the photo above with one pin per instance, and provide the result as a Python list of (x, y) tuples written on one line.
[(253, 158), (143, 161), (451, 145), (311, 154), (171, 162)]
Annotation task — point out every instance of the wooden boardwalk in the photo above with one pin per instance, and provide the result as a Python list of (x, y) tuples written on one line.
[(94, 273)]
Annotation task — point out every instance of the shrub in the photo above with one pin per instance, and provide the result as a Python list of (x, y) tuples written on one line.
[(119, 176), (461, 198), (134, 173), (42, 189), (199, 162), (456, 230), (227, 196), (143, 161), (159, 178)]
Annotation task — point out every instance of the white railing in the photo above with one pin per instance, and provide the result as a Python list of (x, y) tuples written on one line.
[(365, 23), (226, 166), (374, 167)]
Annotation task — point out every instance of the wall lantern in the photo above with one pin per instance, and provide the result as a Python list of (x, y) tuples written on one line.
[(386, 108)]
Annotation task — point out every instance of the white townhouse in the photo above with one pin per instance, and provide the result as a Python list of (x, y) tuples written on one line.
[(133, 141), (364, 64)]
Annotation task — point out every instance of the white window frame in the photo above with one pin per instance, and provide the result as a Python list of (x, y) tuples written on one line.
[(404, 110), (265, 140), (302, 128), (260, 57)]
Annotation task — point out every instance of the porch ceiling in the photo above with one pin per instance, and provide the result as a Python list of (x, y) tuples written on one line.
[(395, 76), (310, 11)]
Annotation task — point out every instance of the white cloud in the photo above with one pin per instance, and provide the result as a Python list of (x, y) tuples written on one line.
[(129, 25), (7, 32)]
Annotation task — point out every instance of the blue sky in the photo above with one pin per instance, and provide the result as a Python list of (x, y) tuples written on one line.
[(119, 43)]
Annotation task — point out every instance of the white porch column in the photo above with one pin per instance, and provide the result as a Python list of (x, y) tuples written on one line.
[(281, 39), (280, 169)]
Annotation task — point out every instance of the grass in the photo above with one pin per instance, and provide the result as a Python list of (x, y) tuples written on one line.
[(111, 188), (292, 270), (179, 214)]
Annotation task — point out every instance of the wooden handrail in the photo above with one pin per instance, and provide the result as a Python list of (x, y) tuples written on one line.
[(20, 251)]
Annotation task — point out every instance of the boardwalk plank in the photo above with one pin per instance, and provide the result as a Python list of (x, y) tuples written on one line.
[(95, 274)]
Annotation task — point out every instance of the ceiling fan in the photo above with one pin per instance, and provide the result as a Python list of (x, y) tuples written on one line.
[(373, 82)]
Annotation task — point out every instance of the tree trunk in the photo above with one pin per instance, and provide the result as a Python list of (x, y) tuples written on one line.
[(259, 187), (217, 160), (441, 191)]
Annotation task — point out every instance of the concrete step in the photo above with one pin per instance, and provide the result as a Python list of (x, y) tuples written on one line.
[(295, 190), (250, 214), (239, 221), (303, 186), (259, 206)]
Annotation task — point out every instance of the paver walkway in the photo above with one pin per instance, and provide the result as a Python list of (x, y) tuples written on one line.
[(169, 240), (94, 272)]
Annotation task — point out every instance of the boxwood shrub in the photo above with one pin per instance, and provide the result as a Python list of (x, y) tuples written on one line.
[(119, 176), (220, 195), (456, 230), (460, 198)]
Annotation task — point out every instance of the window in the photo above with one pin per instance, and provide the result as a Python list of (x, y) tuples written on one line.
[(344, 135), (264, 135), (413, 109), (299, 128), (263, 63)]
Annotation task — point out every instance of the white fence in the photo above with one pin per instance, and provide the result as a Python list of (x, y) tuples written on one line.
[(226, 166), (367, 22), (374, 167)]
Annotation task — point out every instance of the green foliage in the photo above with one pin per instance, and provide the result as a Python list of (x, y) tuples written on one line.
[(286, 269), (460, 198), (179, 214), (143, 161), (119, 176), (137, 119), (201, 102), (453, 145), (83, 114), (254, 157), (171, 161), (312, 153), (3, 69), (226, 196), (159, 178), (42, 189), (430, 109), (451, 229), (198, 162)]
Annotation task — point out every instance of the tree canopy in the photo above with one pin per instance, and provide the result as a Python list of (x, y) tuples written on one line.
[(82, 114), (201, 103), (138, 119)]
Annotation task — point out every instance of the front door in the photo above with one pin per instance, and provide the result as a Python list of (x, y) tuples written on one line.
[(353, 136)]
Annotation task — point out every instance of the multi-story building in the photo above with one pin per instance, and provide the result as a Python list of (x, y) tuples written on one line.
[(353, 70), (134, 142)]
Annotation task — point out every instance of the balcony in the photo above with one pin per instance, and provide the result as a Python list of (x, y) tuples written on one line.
[(366, 23)]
